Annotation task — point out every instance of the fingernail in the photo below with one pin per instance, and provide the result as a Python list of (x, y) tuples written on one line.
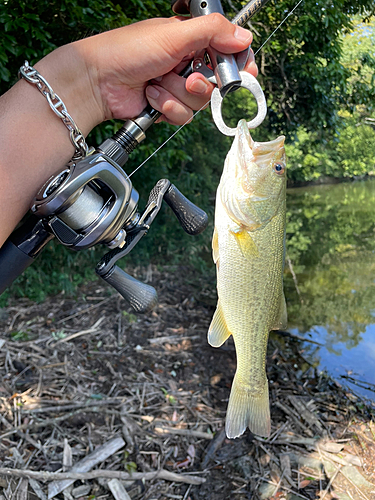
[(152, 92), (242, 34), (158, 79), (198, 87)]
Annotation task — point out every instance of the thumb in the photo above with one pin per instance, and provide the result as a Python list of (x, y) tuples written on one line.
[(182, 36)]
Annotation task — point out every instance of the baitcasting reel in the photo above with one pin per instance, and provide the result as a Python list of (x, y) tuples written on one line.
[(92, 200)]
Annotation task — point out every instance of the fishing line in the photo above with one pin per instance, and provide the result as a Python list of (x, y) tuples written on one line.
[(282, 22), (204, 105), (169, 138)]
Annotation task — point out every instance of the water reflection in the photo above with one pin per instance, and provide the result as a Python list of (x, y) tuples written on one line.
[(330, 282)]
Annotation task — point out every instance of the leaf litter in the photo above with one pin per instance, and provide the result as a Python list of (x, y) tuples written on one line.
[(98, 402)]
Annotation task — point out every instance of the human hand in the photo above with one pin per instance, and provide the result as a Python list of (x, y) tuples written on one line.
[(128, 67), (127, 59)]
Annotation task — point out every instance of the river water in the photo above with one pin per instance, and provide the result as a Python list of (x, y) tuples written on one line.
[(330, 279)]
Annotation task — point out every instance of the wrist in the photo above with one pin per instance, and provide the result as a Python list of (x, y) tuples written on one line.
[(66, 71)]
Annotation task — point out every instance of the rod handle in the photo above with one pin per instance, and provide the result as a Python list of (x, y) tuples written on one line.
[(13, 263)]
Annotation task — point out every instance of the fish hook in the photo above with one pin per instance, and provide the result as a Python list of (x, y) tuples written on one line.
[(250, 83)]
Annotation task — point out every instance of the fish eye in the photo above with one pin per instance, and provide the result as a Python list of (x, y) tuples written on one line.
[(279, 168)]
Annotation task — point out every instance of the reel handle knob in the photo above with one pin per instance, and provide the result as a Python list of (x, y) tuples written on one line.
[(140, 296), (192, 218)]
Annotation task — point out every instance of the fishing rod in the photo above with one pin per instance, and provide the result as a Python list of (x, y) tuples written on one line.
[(92, 200)]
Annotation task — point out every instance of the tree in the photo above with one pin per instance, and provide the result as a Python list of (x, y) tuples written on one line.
[(33, 29), (300, 67)]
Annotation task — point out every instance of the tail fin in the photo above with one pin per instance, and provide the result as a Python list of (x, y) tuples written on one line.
[(246, 410)]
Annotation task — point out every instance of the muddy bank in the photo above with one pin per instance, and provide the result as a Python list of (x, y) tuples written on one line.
[(77, 374)]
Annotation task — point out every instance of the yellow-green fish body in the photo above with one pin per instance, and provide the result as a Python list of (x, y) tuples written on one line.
[(248, 249)]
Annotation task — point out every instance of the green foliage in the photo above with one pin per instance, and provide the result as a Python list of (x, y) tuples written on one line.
[(349, 153), (356, 148), (19, 336), (359, 57), (319, 86), (301, 67), (33, 29), (349, 150), (130, 467), (308, 159)]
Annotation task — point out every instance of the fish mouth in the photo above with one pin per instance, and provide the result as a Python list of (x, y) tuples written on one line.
[(257, 149), (255, 160)]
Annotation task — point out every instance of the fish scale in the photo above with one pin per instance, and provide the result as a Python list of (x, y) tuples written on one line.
[(248, 249)]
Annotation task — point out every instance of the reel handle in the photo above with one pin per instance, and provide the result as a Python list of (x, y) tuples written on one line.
[(193, 219), (140, 296)]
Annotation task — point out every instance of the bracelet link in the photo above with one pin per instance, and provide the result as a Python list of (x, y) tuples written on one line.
[(31, 75), (82, 149)]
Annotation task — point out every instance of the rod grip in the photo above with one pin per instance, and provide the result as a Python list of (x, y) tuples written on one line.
[(13, 262), (193, 219), (140, 296)]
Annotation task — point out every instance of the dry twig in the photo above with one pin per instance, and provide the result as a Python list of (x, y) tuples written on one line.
[(106, 474)]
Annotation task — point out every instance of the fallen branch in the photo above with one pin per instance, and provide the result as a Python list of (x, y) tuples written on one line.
[(93, 329), (47, 409), (173, 339), (324, 493), (305, 413), (213, 447), (94, 306), (184, 432), (106, 474), (118, 490), (294, 417), (294, 278), (298, 337), (289, 490)]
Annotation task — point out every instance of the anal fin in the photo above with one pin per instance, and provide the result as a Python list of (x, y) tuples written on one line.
[(218, 332)]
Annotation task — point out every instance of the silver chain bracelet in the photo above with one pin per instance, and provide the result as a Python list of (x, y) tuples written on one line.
[(33, 76)]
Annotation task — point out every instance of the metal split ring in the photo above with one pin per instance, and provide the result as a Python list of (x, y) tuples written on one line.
[(250, 83)]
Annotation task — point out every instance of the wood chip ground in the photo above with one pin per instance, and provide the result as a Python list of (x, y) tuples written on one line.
[(97, 402)]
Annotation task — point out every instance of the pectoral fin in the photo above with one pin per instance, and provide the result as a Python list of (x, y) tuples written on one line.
[(215, 246), (282, 318), (246, 243), (218, 331)]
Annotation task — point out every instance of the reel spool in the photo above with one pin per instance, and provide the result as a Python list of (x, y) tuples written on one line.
[(88, 203)]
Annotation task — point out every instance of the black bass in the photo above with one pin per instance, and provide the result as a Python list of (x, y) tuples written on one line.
[(249, 249)]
